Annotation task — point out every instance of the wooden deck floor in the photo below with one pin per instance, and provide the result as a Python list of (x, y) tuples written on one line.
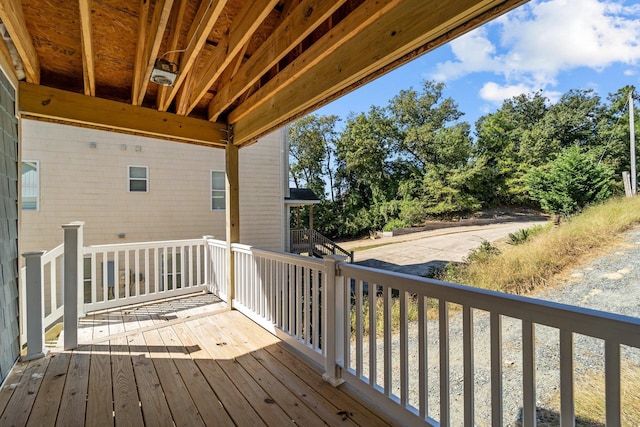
[(185, 363)]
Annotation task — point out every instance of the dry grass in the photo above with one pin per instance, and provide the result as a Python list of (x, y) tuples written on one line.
[(590, 400), (523, 268)]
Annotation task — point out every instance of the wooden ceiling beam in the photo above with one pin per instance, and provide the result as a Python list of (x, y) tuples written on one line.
[(201, 27), (88, 59), (155, 31), (305, 18), (241, 30), (143, 24), (409, 26), (172, 44), (12, 17), (344, 31), (44, 103)]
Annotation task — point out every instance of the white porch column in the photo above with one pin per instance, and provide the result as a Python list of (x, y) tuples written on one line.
[(35, 308), (334, 319), (72, 282), (232, 214)]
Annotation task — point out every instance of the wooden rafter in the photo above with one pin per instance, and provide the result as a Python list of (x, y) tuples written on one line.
[(172, 45), (44, 103), (291, 31), (350, 27), (13, 18), (143, 23), (242, 29), (201, 26), (88, 60), (408, 26), (155, 31)]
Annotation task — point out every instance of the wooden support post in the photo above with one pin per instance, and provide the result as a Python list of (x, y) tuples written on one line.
[(232, 214), (35, 309), (72, 282), (310, 217), (334, 319)]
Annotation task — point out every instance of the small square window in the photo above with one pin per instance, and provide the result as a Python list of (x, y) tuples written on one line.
[(218, 182), (138, 179)]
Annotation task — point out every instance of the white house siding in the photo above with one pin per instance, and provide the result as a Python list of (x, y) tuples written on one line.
[(261, 194), (90, 184)]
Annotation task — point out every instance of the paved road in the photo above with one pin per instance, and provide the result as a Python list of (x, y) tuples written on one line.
[(419, 253)]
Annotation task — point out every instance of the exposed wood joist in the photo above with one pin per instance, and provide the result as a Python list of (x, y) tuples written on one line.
[(151, 46), (172, 45), (409, 26), (143, 24), (291, 31), (40, 102), (344, 31), (88, 59), (242, 29), (206, 17), (13, 18)]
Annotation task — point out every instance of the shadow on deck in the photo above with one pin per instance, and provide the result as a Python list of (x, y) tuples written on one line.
[(187, 361)]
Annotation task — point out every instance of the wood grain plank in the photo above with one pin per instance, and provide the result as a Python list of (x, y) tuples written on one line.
[(100, 402), (45, 407), (295, 408), (155, 409), (28, 383), (74, 396), (346, 404), (324, 408), (185, 412), (232, 399), (215, 345), (126, 405), (13, 18), (258, 398), (205, 399)]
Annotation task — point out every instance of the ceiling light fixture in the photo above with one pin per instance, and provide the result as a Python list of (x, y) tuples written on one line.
[(164, 72)]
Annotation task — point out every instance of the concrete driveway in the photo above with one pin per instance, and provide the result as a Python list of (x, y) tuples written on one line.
[(419, 253)]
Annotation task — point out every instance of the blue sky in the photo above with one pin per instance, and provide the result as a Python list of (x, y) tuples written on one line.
[(548, 45)]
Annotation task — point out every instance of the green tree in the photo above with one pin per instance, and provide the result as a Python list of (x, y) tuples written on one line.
[(569, 183), (311, 152)]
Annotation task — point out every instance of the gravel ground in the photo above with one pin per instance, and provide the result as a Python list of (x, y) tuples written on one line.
[(610, 283)]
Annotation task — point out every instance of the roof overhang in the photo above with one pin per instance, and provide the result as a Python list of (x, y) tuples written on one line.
[(246, 66)]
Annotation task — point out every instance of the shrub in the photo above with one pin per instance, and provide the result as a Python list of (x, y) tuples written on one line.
[(393, 224)]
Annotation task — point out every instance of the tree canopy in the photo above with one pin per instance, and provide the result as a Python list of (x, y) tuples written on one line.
[(414, 159)]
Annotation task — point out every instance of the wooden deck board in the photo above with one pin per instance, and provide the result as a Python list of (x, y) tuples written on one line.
[(19, 407), (182, 362), (45, 407), (100, 404)]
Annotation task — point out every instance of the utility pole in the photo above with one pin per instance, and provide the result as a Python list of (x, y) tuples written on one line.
[(632, 145)]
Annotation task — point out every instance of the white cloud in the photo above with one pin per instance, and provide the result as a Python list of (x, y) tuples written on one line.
[(530, 46), (496, 93)]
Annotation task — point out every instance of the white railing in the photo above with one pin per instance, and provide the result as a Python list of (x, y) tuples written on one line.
[(377, 362), (130, 273), (281, 292), (216, 267), (356, 322), (376, 347), (51, 274), (105, 277)]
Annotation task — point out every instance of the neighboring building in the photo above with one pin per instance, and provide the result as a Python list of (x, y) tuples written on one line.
[(129, 188)]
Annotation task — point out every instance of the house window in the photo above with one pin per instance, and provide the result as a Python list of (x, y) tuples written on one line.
[(217, 190), (138, 179), (30, 185)]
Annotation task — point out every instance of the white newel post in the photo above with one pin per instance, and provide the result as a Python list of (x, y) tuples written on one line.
[(207, 263), (334, 318), (73, 296), (35, 308)]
